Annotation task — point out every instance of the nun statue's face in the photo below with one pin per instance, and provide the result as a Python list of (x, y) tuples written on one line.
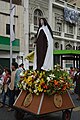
[(42, 22)]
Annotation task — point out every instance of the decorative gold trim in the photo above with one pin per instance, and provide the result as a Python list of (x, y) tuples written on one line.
[(27, 100)]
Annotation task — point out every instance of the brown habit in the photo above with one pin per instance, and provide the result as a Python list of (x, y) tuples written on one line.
[(41, 48)]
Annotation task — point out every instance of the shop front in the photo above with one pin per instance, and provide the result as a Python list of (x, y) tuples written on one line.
[(67, 58)]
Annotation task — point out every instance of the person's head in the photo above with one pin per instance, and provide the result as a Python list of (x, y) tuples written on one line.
[(14, 65), (21, 65), (5, 68), (71, 68), (8, 71), (42, 21)]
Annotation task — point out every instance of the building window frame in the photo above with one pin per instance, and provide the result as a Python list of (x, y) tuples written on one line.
[(68, 47), (58, 22), (70, 28), (8, 29), (78, 29)]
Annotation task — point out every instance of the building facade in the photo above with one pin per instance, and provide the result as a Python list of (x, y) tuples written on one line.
[(66, 33), (74, 2), (18, 43)]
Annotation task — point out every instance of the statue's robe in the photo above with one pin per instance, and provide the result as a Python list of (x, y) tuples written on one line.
[(41, 48), (43, 57)]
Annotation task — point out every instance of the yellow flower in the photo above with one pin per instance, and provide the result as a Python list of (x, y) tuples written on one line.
[(25, 79), (43, 72), (40, 75), (40, 89), (29, 78), (42, 81), (29, 83), (35, 73)]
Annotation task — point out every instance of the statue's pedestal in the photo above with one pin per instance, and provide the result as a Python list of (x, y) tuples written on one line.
[(43, 104)]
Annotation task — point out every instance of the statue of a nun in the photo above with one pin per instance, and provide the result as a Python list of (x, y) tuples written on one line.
[(43, 56)]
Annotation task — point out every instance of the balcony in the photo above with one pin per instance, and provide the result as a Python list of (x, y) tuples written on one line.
[(56, 33), (78, 37), (5, 44), (59, 2), (69, 35)]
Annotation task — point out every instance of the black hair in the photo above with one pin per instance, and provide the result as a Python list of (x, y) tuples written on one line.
[(45, 23), (15, 64), (21, 65), (9, 71)]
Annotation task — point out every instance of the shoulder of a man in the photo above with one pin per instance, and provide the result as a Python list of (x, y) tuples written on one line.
[(18, 71), (13, 73)]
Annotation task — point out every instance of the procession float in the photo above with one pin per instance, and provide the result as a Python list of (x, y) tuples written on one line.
[(44, 92)]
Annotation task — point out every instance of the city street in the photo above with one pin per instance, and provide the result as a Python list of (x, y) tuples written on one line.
[(5, 115), (40, 56)]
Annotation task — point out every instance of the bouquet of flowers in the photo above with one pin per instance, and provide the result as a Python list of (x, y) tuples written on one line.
[(49, 82)]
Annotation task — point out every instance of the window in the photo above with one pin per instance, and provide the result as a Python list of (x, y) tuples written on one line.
[(56, 45), (79, 31), (37, 15), (58, 22), (8, 29), (70, 28), (78, 27), (58, 26), (69, 47)]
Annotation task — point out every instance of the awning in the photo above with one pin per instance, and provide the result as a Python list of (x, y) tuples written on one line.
[(66, 52)]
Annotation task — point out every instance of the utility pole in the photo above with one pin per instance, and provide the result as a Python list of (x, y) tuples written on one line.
[(11, 30), (26, 32), (10, 34)]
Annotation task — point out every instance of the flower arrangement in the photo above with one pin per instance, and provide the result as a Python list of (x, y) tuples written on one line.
[(49, 82)]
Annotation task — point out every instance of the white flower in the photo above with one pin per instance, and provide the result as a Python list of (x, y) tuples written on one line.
[(24, 87), (52, 75), (38, 80), (55, 66), (48, 79), (35, 85), (35, 91), (61, 81), (22, 82), (32, 76), (22, 74)]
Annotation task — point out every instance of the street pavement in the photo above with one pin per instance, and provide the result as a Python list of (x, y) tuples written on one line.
[(5, 115)]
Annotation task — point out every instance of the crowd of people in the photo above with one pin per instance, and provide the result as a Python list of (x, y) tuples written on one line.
[(9, 81)]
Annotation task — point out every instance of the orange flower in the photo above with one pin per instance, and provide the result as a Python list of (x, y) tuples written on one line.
[(44, 90), (64, 87), (55, 82), (45, 86)]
